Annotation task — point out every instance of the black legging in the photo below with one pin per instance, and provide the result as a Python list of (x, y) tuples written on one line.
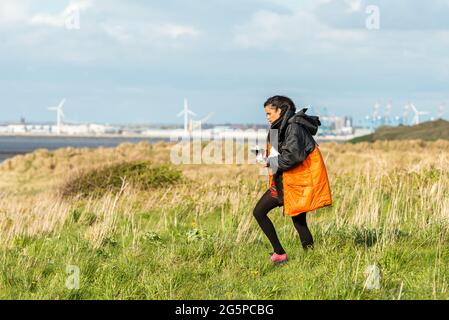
[(266, 203)]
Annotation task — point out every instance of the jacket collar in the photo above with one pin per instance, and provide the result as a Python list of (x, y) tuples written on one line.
[(281, 123)]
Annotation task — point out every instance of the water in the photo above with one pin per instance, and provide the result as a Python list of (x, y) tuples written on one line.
[(12, 146)]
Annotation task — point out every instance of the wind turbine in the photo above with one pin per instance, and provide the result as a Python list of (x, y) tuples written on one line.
[(186, 113), (417, 113), (59, 115), (198, 123)]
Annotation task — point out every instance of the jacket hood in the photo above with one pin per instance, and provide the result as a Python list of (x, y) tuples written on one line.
[(311, 123)]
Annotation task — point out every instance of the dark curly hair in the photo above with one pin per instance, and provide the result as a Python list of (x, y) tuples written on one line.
[(280, 102)]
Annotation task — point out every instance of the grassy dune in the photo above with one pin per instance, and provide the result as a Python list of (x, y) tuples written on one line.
[(427, 131), (197, 239)]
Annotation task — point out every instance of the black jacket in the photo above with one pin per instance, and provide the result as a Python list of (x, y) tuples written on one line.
[(295, 142)]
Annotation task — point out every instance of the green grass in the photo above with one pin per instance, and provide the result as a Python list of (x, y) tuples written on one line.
[(186, 262), (426, 131), (142, 175)]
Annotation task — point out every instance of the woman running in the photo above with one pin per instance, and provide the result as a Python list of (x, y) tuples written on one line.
[(298, 178)]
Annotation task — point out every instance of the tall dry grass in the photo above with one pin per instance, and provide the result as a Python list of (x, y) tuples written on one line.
[(398, 182)]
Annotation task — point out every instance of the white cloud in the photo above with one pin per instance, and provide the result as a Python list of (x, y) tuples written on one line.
[(59, 20), (299, 30), (264, 28), (12, 11), (354, 5), (144, 33), (176, 31), (109, 31), (118, 33)]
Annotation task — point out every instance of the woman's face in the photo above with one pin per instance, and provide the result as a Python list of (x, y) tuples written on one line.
[(272, 113)]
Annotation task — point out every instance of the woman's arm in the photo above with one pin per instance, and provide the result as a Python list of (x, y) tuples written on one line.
[(293, 151)]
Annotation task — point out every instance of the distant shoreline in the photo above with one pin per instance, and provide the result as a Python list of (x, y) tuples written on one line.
[(14, 145), (34, 135)]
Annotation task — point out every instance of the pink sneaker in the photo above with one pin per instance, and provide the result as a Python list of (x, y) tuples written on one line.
[(279, 258)]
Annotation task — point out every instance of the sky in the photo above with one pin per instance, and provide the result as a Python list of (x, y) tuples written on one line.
[(135, 61)]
